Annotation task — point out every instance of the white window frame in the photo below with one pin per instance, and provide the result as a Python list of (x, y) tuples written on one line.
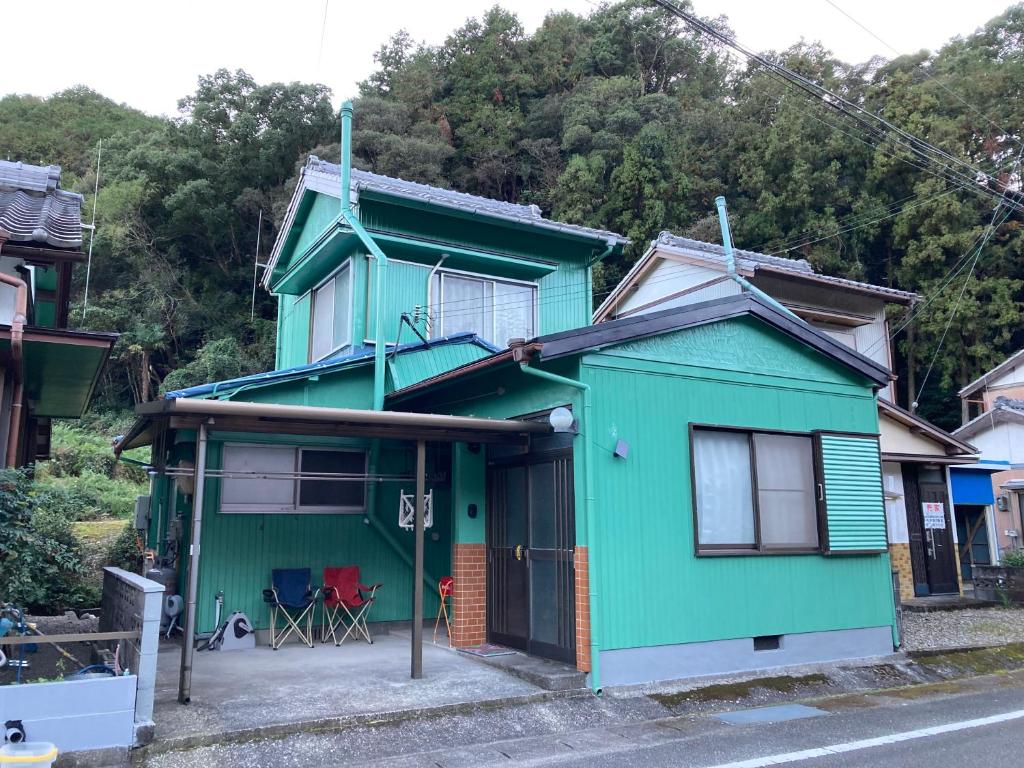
[(294, 508), (439, 329), (348, 304)]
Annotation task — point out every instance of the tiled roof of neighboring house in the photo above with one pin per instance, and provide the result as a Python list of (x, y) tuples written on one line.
[(483, 206), (1009, 363), (358, 355), (34, 210), (746, 261), (1004, 410), (758, 261)]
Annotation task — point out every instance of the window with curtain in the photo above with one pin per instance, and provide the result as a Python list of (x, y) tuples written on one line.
[(754, 491), (267, 479), (495, 310), (332, 315)]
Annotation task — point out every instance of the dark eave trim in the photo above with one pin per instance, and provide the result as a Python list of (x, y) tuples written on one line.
[(41, 254), (613, 332)]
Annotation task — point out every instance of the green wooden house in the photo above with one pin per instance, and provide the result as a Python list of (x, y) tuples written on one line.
[(686, 492)]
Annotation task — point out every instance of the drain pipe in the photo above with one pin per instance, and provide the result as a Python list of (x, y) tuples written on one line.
[(380, 272), (17, 353), (588, 472), (730, 262)]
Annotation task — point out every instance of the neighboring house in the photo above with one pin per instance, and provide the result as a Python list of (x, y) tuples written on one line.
[(711, 502), (991, 492), (677, 271), (46, 370)]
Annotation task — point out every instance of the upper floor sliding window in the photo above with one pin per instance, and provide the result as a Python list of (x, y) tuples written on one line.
[(493, 309), (331, 324)]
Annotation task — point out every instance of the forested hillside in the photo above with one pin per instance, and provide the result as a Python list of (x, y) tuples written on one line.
[(623, 119)]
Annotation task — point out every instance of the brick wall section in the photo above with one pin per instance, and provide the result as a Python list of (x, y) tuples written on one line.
[(580, 562), (900, 556), (469, 569)]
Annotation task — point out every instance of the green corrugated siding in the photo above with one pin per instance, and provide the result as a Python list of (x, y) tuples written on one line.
[(293, 331), (411, 367), (239, 551), (853, 493), (654, 589), (564, 294), (406, 289)]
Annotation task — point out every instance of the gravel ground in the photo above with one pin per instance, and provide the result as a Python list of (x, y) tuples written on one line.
[(972, 627)]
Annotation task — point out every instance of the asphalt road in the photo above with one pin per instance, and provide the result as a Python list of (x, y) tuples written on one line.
[(976, 723)]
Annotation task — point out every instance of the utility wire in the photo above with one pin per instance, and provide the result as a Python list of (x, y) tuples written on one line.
[(948, 165), (928, 75)]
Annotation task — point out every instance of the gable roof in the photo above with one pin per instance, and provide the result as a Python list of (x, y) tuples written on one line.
[(364, 354), (746, 261), (1017, 358), (1005, 411), (593, 338), (34, 210), (952, 444), (325, 178)]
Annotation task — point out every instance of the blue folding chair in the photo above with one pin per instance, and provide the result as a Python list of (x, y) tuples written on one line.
[(292, 596)]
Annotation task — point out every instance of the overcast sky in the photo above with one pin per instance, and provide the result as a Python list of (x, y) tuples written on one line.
[(149, 54)]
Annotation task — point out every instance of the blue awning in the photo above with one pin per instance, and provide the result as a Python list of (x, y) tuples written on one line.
[(971, 486)]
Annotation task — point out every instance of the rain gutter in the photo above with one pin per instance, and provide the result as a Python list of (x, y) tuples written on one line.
[(381, 261), (730, 263)]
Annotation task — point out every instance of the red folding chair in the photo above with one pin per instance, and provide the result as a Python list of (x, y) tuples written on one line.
[(346, 604), (445, 593)]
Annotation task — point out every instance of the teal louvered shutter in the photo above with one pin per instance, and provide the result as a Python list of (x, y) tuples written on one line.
[(850, 493)]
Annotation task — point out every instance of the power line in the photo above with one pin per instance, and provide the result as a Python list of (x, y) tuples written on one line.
[(949, 166), (927, 75)]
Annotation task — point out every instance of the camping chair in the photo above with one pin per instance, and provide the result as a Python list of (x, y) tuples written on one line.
[(445, 593), (292, 596), (346, 604)]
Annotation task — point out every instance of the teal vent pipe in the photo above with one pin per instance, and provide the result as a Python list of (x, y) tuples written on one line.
[(588, 506), (730, 262), (350, 218)]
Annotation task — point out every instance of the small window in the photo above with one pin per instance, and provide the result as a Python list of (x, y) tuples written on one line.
[(495, 310), (331, 326), (262, 479), (348, 495), (754, 491)]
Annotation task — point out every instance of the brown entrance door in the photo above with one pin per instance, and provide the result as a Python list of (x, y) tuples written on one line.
[(940, 552), (531, 534)]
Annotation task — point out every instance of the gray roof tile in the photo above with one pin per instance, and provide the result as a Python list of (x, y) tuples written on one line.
[(35, 210), (753, 261), (484, 206)]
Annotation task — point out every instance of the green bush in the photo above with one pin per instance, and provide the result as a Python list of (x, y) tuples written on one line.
[(40, 558), (124, 551), (1014, 558)]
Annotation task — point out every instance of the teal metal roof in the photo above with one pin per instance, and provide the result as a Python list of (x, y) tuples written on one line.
[(431, 359)]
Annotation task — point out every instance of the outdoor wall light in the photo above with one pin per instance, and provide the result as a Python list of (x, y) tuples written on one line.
[(471, 511), (561, 420)]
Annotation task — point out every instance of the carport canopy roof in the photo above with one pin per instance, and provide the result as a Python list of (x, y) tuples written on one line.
[(226, 415)]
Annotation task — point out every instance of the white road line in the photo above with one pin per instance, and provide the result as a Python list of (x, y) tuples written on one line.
[(853, 746)]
